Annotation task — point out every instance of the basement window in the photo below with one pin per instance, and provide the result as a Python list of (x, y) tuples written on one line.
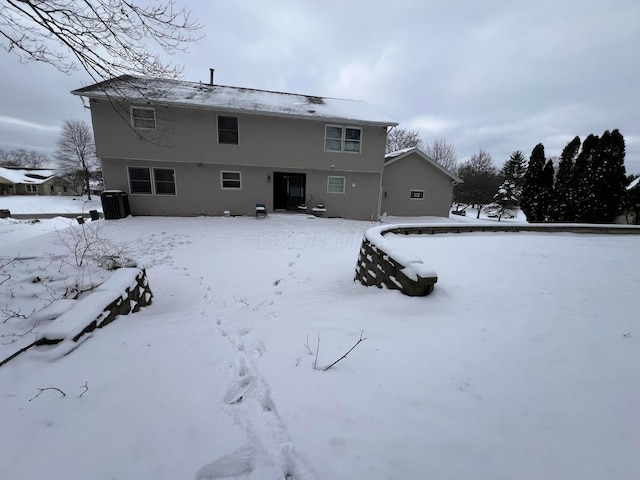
[(152, 181), (335, 184), (231, 180)]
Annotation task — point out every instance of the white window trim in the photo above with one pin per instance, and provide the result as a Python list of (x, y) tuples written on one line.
[(343, 138), (222, 187), (344, 184), (411, 197), (218, 128), (133, 118), (152, 180)]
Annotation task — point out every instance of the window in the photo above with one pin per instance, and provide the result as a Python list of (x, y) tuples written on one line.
[(231, 180), (352, 139), (52, 189), (333, 139), (143, 118), (335, 184), (342, 139), (227, 130), (417, 194), (165, 181), (140, 181), (32, 188)]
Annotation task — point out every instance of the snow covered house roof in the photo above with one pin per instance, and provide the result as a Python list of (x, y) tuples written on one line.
[(236, 99), (633, 184), (33, 176), (392, 157)]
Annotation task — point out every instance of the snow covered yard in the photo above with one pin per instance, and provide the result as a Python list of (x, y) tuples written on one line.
[(523, 362)]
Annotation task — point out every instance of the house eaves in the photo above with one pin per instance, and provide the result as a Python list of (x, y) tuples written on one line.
[(393, 157), (162, 92)]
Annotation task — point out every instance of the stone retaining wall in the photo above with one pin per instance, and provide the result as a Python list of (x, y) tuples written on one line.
[(381, 265), (126, 291), (376, 267)]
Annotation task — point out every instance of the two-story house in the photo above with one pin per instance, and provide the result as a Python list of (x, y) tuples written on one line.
[(189, 148)]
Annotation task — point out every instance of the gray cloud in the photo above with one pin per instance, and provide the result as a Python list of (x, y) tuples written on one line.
[(495, 75)]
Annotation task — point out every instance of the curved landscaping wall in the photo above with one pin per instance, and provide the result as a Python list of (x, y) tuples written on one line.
[(381, 264)]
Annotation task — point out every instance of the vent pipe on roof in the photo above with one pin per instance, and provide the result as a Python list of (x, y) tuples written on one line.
[(211, 70)]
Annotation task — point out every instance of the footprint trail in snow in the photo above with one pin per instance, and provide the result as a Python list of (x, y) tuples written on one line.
[(270, 453)]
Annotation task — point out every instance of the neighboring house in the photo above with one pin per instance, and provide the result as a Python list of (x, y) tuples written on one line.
[(631, 215), (31, 181), (414, 185), (188, 148)]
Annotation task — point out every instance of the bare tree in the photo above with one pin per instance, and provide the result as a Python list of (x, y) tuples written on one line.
[(76, 151), (106, 38), (22, 158), (443, 152), (400, 138)]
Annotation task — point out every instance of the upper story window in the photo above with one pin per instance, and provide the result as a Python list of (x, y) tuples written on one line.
[(416, 194), (339, 138), (143, 118), (227, 130)]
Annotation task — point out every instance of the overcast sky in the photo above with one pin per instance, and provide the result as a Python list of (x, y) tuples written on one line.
[(497, 75)]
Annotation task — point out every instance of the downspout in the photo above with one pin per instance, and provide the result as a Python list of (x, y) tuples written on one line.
[(381, 175)]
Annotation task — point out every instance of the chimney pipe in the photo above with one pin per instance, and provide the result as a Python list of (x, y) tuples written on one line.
[(211, 70)]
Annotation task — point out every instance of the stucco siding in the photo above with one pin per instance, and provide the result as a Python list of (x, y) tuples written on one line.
[(413, 173)]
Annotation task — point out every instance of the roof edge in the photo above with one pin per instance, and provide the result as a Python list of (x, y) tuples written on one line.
[(400, 154)]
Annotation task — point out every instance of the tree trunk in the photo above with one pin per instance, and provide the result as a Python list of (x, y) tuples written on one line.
[(86, 183)]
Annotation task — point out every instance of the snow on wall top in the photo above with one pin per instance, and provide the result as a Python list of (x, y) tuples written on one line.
[(202, 95), (25, 175)]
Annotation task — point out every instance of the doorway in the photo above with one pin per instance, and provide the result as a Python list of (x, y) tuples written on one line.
[(288, 190)]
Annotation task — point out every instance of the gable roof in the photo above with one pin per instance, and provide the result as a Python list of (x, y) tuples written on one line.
[(201, 95), (33, 176), (393, 157)]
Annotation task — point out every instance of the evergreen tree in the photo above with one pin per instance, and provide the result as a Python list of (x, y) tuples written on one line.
[(612, 151), (546, 190), (562, 206), (514, 170), (504, 201), (531, 201), (584, 179)]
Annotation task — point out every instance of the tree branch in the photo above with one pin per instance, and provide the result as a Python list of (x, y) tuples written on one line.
[(361, 339)]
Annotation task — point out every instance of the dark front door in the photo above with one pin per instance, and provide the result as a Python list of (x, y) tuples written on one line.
[(288, 190)]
